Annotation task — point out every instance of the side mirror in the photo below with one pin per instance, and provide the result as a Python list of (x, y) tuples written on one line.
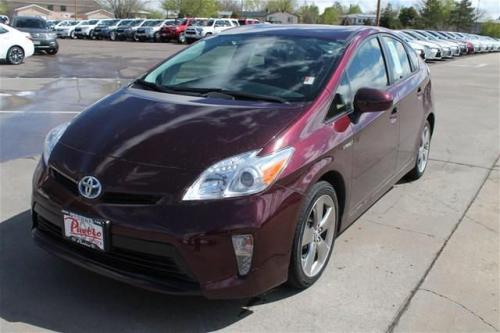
[(372, 100)]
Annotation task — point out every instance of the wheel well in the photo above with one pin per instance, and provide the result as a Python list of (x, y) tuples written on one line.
[(336, 180), (430, 118)]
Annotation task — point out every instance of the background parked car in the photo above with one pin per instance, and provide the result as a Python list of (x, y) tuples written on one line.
[(204, 28), (127, 31), (67, 30), (175, 32), (103, 29), (43, 38), (432, 50), (86, 30), (15, 45), (4, 19), (150, 30), (248, 21)]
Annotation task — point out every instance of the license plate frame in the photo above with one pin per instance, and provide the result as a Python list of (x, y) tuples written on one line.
[(89, 232)]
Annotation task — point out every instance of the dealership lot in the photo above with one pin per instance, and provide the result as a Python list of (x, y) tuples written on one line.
[(424, 257)]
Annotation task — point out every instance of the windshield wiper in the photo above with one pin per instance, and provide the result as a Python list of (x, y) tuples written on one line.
[(252, 96), (232, 93), (164, 89)]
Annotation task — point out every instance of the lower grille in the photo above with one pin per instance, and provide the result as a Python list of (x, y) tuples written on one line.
[(162, 269)]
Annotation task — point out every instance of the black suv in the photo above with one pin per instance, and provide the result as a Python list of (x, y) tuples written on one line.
[(43, 38)]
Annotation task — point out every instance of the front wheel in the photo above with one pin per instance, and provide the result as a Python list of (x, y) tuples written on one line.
[(422, 153), (112, 36), (52, 51), (314, 236), (15, 55)]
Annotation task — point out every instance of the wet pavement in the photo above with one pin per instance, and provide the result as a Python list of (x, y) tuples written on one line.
[(48, 90)]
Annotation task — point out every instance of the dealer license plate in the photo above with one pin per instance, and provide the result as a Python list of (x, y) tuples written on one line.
[(85, 231)]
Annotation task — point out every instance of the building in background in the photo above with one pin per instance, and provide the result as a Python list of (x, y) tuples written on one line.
[(359, 19), (282, 18), (58, 9)]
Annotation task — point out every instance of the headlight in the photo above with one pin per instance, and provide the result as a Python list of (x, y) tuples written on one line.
[(239, 175), (51, 35), (51, 140)]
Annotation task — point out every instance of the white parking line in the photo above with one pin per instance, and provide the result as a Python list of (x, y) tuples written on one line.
[(37, 112)]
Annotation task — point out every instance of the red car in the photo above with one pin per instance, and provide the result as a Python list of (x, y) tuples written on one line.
[(174, 32), (232, 167)]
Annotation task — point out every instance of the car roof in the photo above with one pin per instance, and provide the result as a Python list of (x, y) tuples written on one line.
[(306, 30)]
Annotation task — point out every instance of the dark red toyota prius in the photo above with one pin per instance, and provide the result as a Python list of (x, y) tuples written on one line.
[(231, 167)]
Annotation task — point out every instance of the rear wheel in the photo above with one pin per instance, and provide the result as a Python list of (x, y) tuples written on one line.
[(422, 153), (314, 236), (112, 36), (15, 55), (72, 35), (156, 37)]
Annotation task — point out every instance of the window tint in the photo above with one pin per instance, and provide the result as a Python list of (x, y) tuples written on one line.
[(2, 30), (28, 22), (342, 101), (400, 68), (367, 68)]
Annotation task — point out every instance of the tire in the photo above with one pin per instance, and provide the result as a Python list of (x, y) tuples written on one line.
[(112, 36), (313, 244), (156, 37), (91, 34), (181, 39), (52, 51), (15, 55), (72, 35), (422, 152)]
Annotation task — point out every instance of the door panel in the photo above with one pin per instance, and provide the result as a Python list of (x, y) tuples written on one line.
[(376, 134)]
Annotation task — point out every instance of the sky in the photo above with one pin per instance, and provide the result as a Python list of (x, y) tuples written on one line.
[(490, 7)]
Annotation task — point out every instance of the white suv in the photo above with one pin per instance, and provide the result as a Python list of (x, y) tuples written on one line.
[(86, 30), (205, 27)]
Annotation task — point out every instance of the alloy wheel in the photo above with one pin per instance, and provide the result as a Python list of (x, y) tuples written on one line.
[(317, 238), (423, 150), (15, 55)]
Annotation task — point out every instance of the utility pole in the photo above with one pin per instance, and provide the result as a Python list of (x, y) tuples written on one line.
[(76, 9), (377, 20)]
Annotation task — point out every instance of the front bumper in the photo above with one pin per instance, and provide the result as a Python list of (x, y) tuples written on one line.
[(45, 44), (63, 33), (193, 35), (195, 237), (82, 33), (104, 33)]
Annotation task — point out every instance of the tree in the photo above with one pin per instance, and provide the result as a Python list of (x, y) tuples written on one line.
[(432, 15), (354, 9), (462, 17), (155, 14), (123, 8), (192, 8), (331, 15), (408, 16), (389, 18), (281, 6), (490, 29), (230, 6), (309, 14), (4, 9), (254, 5)]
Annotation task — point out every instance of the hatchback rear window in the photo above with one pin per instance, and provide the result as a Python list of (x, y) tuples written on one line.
[(288, 67)]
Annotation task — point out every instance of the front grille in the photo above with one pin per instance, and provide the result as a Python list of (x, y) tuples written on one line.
[(120, 30), (78, 29), (162, 269), (141, 31), (115, 198)]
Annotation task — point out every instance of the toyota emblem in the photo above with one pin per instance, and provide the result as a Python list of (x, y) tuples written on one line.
[(89, 187)]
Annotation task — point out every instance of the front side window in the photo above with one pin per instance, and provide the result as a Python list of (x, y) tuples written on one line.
[(400, 68), (367, 68), (290, 68), (342, 101), (2, 30)]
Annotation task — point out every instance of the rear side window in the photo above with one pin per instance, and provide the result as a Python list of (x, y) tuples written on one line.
[(367, 68), (400, 68), (414, 59)]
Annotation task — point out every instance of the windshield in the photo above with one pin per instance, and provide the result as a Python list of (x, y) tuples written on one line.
[(198, 22), (30, 22), (284, 67), (151, 23), (125, 23), (170, 22), (108, 23), (136, 23), (91, 22)]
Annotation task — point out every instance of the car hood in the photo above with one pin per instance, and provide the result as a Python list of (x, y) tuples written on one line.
[(177, 131)]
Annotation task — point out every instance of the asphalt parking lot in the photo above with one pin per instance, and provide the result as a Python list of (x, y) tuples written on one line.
[(424, 258)]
